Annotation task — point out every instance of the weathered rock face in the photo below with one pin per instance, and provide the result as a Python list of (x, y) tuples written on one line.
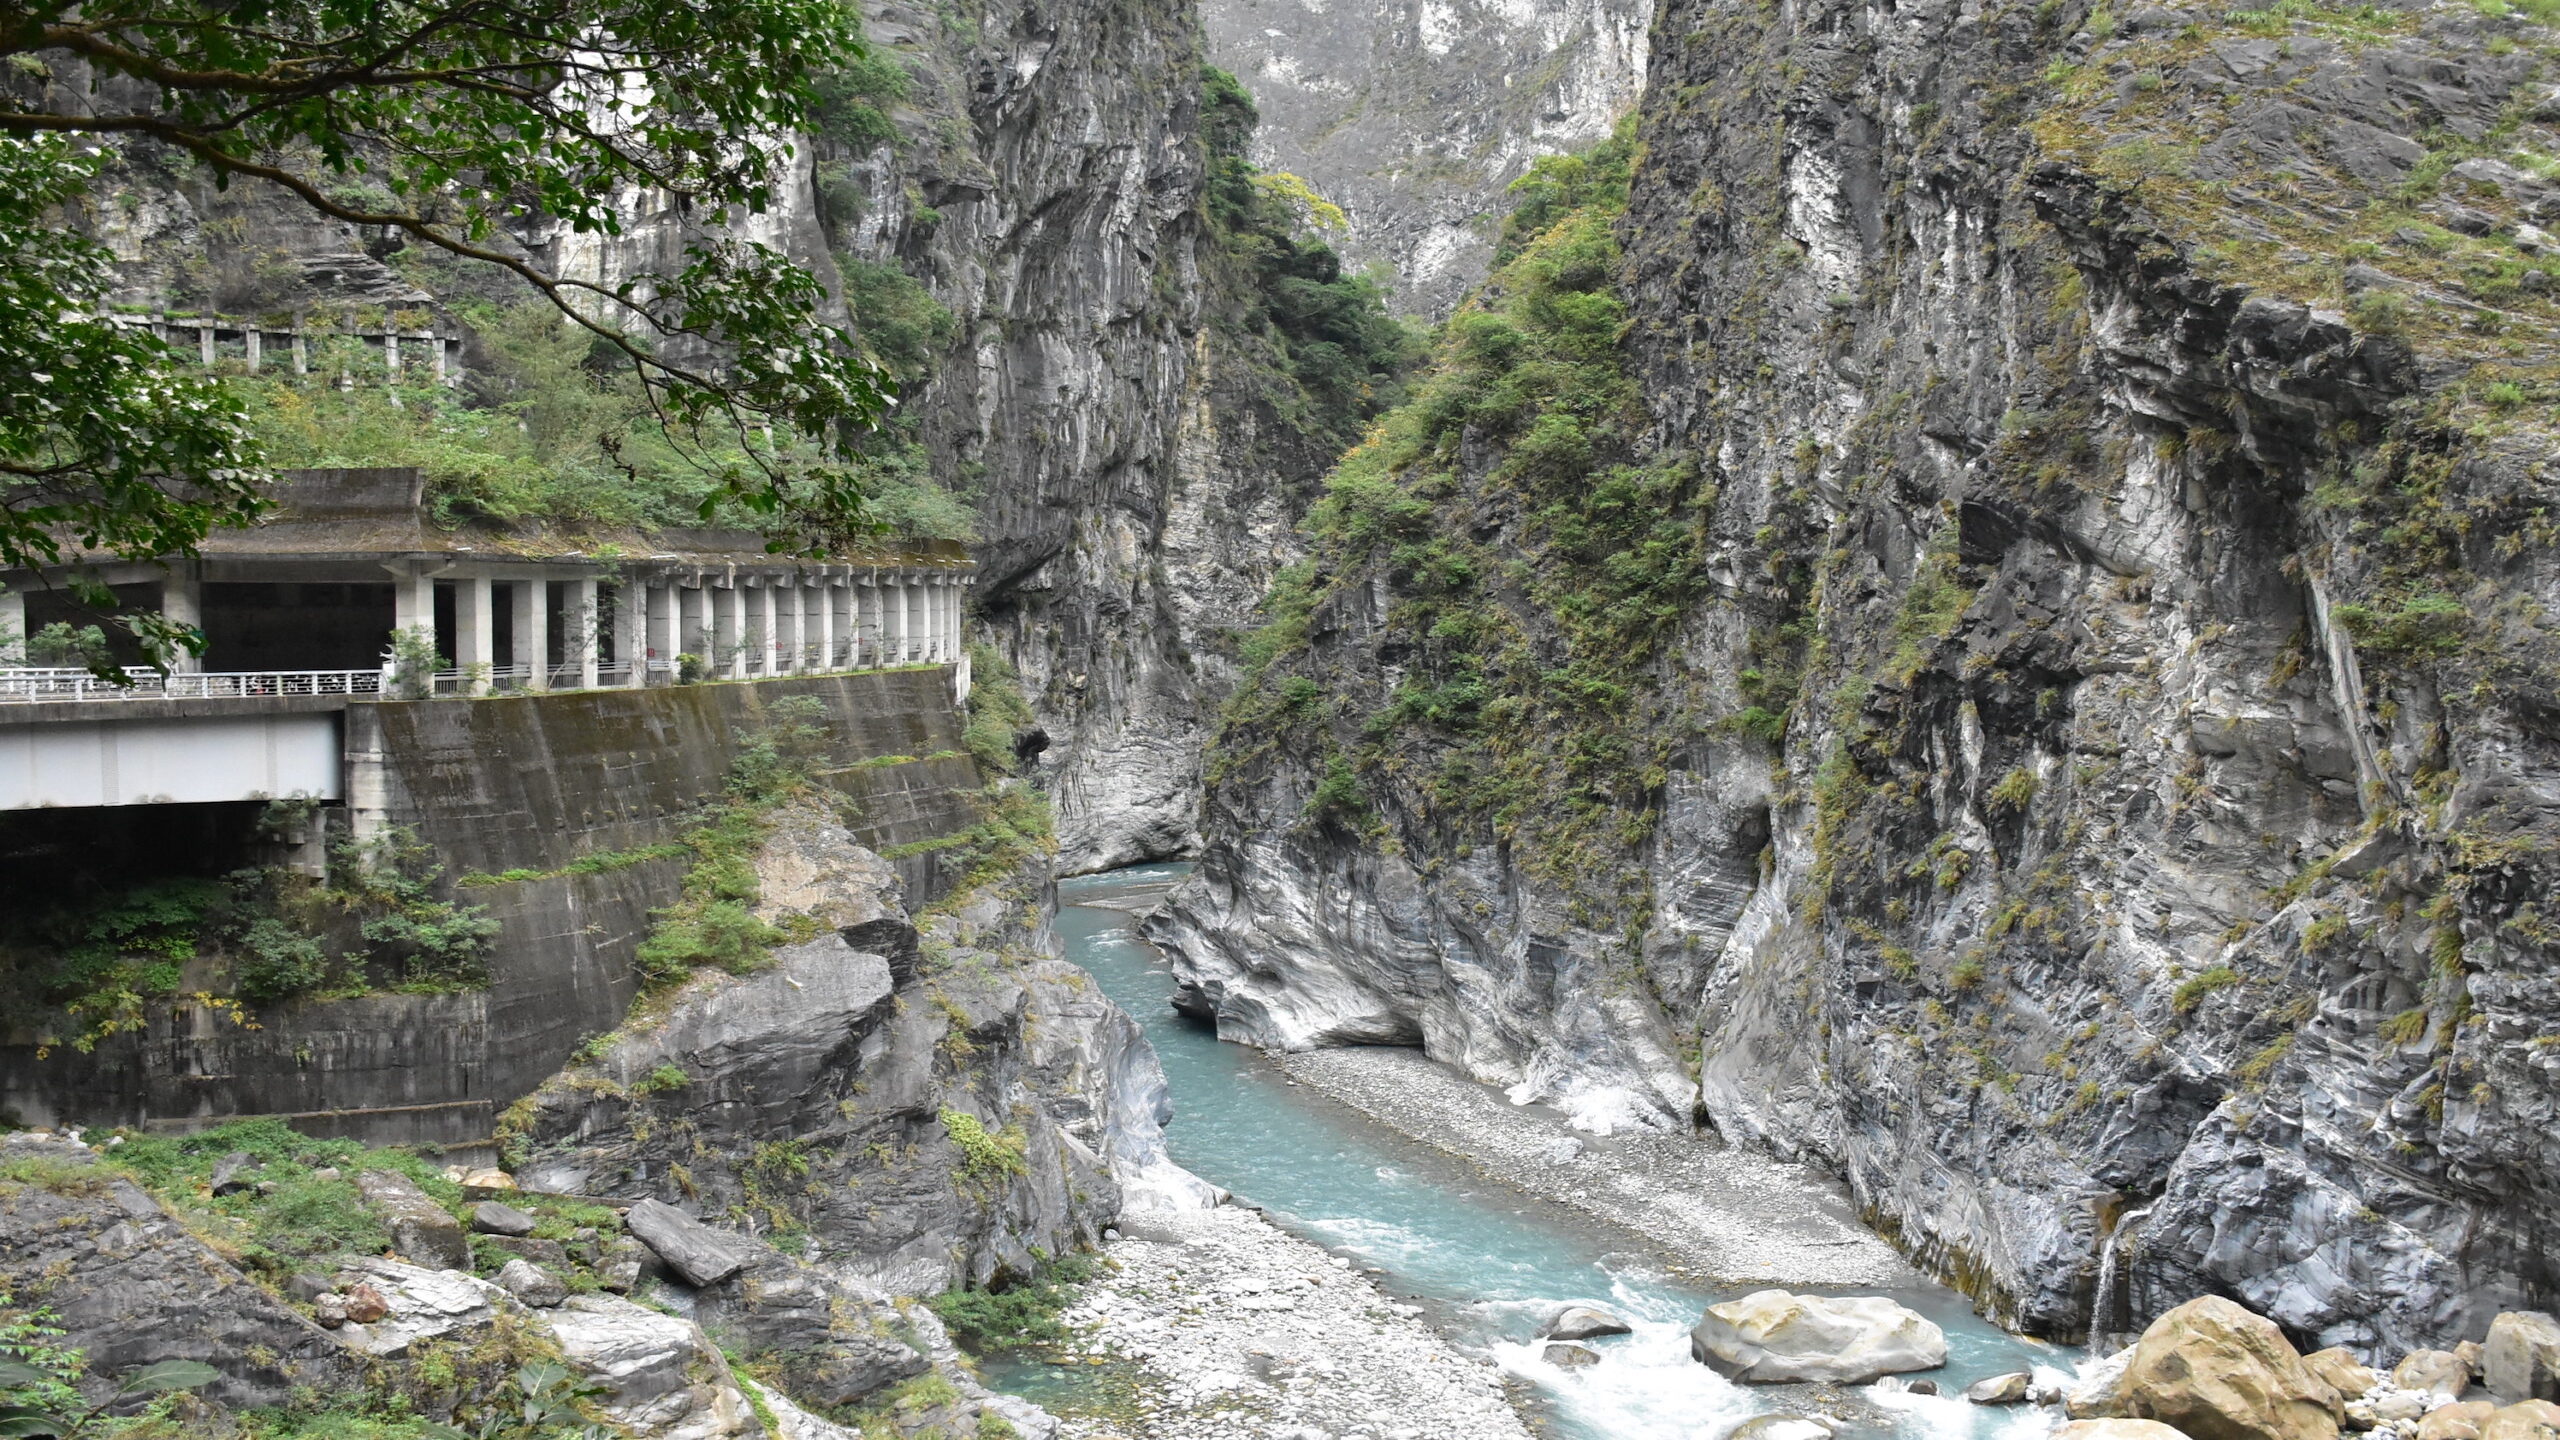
[(1414, 117), (129, 1286), (2098, 752), (918, 1135)]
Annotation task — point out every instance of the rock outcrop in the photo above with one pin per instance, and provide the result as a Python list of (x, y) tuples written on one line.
[(129, 1286), (1414, 118), (2013, 668), (942, 1131)]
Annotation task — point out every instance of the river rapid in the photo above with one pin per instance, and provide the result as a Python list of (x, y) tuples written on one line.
[(1488, 1262)]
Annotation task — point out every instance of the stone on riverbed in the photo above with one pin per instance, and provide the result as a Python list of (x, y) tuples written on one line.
[(1780, 1426), (2118, 1430), (1772, 1337), (1569, 1356), (2524, 1420), (2347, 1375), (2522, 1359), (2217, 1371), (2443, 1371), (2460, 1420), (2009, 1389), (1583, 1322)]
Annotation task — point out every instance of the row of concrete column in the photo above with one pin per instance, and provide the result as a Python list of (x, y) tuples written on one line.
[(735, 625)]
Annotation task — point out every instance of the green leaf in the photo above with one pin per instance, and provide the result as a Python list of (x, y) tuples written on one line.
[(168, 1375)]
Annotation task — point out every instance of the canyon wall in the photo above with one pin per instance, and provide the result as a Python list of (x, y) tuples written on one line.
[(1414, 116), (1982, 626)]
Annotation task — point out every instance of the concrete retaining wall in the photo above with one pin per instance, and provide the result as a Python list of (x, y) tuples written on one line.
[(516, 783)]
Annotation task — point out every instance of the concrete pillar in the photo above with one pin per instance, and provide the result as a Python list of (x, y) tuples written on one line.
[(256, 342), (767, 659), (182, 603), (822, 622), (875, 621), (584, 643), (693, 633), (791, 624), (391, 362), (631, 629), (729, 630), (663, 634), (413, 607), (847, 607), (13, 627), (475, 643), (532, 632), (856, 610), (898, 617)]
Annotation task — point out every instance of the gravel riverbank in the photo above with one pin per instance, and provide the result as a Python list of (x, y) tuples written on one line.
[(1720, 1213), (1237, 1330)]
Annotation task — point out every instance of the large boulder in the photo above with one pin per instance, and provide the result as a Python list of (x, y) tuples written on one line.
[(1771, 1337), (2118, 1429), (1583, 1322), (423, 1231), (659, 1375), (2347, 1375), (831, 1345), (2009, 1389), (699, 1253), (2218, 1372), (2524, 1420), (400, 1304), (2522, 1359), (2460, 1420), (2443, 1372)]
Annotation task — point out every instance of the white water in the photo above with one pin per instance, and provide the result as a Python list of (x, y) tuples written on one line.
[(2102, 1304), (1489, 1264)]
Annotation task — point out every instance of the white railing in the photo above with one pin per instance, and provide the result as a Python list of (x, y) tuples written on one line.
[(26, 685), (23, 686)]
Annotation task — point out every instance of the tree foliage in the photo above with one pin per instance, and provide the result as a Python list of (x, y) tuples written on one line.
[(468, 126), (103, 444), (1331, 328)]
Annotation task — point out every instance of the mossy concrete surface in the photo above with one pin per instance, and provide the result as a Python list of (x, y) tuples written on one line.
[(531, 784)]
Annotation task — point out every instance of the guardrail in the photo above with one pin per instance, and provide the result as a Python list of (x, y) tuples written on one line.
[(33, 685)]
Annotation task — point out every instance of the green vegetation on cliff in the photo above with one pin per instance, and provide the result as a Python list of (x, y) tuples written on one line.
[(549, 428), (1336, 357), (78, 970), (1538, 558)]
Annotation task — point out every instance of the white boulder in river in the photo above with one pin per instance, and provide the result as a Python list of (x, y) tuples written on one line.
[(1770, 1337)]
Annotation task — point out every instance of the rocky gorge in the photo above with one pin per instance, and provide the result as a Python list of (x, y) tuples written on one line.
[(1955, 603), (1963, 610)]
